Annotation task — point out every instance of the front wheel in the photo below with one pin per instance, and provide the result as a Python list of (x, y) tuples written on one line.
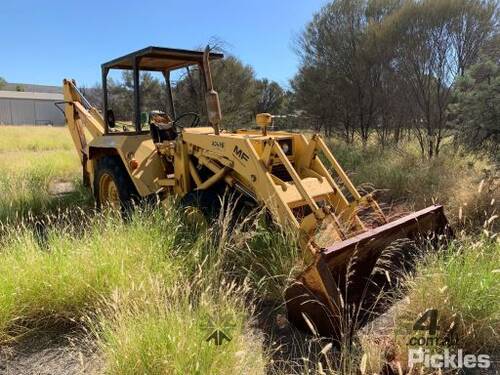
[(112, 185)]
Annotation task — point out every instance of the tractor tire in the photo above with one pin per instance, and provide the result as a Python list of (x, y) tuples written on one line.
[(113, 186), (207, 201), (209, 204)]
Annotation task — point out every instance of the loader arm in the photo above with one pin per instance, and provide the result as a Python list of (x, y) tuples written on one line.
[(249, 160), (300, 192)]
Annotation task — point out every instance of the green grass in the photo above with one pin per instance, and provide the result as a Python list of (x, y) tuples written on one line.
[(267, 258), (403, 174), (169, 334), (463, 284), (34, 138), (148, 292), (65, 276), (131, 282)]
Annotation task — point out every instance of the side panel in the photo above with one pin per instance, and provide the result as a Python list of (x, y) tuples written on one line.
[(138, 147)]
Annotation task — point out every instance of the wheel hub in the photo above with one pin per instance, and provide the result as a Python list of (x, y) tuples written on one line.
[(108, 191)]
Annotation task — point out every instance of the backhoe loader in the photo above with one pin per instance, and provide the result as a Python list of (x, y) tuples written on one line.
[(287, 173)]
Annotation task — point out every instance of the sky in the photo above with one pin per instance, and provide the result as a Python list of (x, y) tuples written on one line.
[(45, 41)]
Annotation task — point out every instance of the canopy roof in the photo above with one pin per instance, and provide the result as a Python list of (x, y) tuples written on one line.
[(159, 59)]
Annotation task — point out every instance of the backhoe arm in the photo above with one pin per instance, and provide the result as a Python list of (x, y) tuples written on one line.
[(80, 116)]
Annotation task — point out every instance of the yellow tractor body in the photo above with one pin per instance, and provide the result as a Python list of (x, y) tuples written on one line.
[(282, 171)]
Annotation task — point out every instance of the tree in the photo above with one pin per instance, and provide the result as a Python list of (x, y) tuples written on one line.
[(241, 94), (433, 42), (340, 78), (3, 82), (121, 95), (388, 66), (323, 105), (237, 89), (93, 95), (270, 97), (476, 112), (152, 93)]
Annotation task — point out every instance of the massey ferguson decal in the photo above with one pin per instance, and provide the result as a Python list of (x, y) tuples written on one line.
[(240, 154)]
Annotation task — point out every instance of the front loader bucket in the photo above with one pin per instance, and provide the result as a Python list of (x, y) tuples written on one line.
[(341, 289)]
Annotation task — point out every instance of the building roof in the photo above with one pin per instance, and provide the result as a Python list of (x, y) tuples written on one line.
[(159, 59), (12, 86), (30, 95)]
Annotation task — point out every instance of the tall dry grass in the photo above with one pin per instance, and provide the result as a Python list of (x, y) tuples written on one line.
[(463, 284), (465, 183), (33, 160), (65, 274), (167, 331), (149, 290), (34, 138)]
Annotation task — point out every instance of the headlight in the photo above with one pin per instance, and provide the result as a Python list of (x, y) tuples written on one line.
[(286, 146)]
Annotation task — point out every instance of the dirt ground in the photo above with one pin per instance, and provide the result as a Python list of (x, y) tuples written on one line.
[(61, 187), (70, 352), (50, 353)]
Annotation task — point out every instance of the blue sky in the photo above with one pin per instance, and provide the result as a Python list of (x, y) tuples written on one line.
[(44, 41)]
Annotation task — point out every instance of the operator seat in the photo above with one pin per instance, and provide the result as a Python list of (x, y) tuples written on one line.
[(161, 127)]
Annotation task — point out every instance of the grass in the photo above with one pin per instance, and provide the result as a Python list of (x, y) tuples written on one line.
[(151, 308), (65, 276), (268, 258), (169, 334), (34, 138), (151, 288), (32, 160), (463, 283), (127, 280), (402, 177)]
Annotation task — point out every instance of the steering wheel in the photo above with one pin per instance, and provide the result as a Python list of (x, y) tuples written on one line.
[(194, 123)]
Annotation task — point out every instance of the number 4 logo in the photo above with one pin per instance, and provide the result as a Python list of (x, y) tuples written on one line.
[(427, 322)]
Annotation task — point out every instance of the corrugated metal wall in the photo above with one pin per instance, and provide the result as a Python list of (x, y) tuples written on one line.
[(47, 111), (5, 115), (29, 112)]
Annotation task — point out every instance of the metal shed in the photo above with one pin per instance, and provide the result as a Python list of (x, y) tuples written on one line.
[(30, 108)]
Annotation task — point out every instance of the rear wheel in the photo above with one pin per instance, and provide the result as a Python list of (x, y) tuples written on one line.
[(112, 185)]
